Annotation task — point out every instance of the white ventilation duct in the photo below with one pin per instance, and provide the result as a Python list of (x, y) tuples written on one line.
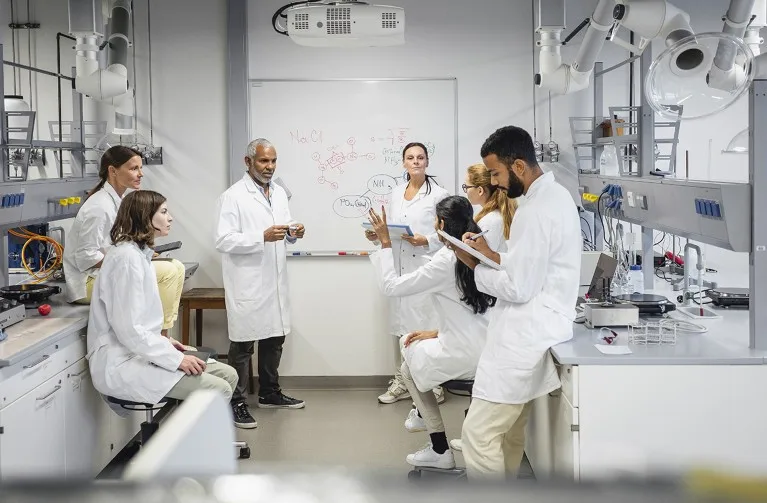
[(561, 78), (109, 85), (725, 74)]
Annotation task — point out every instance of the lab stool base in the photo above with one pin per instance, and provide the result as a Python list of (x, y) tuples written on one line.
[(416, 472)]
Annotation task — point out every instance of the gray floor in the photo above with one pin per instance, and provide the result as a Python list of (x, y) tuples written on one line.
[(345, 428)]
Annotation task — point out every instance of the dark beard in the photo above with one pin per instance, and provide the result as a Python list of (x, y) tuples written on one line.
[(516, 187)]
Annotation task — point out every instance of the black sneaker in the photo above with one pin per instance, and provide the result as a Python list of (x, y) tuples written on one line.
[(242, 417), (279, 401)]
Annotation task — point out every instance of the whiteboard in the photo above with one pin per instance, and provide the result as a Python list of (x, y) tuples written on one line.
[(339, 147)]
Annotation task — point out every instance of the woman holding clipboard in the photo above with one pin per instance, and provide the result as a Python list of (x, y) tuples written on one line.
[(413, 204), (452, 351)]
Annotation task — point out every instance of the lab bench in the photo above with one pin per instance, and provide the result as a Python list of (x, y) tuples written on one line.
[(52, 421), (663, 409)]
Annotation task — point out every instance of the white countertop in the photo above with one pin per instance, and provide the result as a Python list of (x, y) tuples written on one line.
[(725, 343), (38, 331)]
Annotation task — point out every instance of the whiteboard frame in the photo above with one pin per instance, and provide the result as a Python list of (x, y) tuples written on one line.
[(393, 79)]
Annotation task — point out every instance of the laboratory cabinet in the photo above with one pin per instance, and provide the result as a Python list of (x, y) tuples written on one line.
[(53, 423), (649, 420), (33, 439)]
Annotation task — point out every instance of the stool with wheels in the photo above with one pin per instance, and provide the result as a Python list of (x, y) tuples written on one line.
[(453, 386)]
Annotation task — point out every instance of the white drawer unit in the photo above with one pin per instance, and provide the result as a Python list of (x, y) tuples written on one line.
[(39, 367)]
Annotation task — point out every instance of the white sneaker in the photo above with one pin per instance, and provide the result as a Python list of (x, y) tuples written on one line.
[(397, 391), (439, 392), (428, 458), (414, 423), (456, 444)]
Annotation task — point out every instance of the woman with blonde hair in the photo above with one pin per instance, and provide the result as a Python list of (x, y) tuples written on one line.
[(497, 210)]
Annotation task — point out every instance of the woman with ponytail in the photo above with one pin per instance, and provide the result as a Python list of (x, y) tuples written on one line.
[(496, 209), (450, 352), (414, 204), (88, 240)]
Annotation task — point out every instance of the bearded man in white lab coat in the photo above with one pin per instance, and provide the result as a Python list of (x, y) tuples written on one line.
[(536, 288), (253, 224)]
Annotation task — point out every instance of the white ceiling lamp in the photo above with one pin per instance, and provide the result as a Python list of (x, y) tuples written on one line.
[(342, 24)]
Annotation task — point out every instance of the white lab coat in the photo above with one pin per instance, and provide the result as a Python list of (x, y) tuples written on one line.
[(255, 272), (493, 223), (88, 240), (127, 355), (536, 290), (455, 352), (414, 312)]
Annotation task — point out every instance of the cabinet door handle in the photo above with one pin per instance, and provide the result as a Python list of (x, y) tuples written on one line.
[(80, 373), (38, 362), (58, 387)]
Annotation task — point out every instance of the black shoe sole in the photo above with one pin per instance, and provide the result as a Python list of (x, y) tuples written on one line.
[(274, 406), (246, 426)]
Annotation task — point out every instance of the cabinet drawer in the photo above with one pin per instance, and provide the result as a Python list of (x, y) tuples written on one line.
[(568, 374), (37, 368)]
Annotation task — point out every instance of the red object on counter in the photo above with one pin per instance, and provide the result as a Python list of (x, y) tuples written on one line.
[(674, 258), (44, 310)]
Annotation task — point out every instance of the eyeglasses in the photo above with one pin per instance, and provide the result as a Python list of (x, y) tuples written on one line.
[(466, 187)]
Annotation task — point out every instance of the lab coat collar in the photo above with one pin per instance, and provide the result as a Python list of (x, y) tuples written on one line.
[(541, 182), (252, 187), (113, 194), (421, 193), (147, 251)]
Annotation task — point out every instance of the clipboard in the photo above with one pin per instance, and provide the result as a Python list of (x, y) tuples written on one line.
[(202, 355), (471, 251), (395, 230)]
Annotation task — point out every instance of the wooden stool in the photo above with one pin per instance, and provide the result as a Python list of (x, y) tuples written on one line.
[(199, 299)]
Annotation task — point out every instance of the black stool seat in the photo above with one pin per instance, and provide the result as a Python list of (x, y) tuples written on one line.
[(129, 403), (459, 385)]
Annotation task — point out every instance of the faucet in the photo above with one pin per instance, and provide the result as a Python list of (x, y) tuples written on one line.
[(698, 266)]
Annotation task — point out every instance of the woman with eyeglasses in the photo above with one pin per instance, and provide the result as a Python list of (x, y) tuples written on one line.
[(496, 209)]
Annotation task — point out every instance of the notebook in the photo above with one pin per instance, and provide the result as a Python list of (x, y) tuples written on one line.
[(468, 249)]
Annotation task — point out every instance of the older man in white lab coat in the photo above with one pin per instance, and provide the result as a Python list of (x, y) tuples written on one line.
[(536, 289), (253, 224)]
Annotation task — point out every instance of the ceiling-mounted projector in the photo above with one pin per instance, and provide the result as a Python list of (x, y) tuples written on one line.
[(346, 24)]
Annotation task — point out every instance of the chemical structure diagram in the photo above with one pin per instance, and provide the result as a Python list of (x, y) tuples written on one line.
[(338, 161), (379, 191)]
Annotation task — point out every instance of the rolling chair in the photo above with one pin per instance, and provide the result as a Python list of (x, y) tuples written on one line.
[(464, 386)]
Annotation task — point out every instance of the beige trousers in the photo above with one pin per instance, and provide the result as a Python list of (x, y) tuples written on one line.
[(494, 439), (217, 376), (425, 402), (170, 280)]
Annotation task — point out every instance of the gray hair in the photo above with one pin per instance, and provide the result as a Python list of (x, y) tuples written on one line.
[(258, 142)]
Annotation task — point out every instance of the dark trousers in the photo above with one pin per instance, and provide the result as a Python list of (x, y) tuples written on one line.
[(269, 355)]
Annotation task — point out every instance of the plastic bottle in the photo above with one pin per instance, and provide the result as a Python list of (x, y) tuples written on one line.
[(636, 279), (608, 161)]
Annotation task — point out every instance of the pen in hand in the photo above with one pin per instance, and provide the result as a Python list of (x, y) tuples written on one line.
[(476, 236)]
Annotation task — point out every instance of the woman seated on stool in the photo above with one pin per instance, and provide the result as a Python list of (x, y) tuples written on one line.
[(88, 241), (128, 356), (450, 352)]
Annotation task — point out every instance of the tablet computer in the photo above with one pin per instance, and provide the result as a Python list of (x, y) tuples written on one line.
[(395, 230)]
